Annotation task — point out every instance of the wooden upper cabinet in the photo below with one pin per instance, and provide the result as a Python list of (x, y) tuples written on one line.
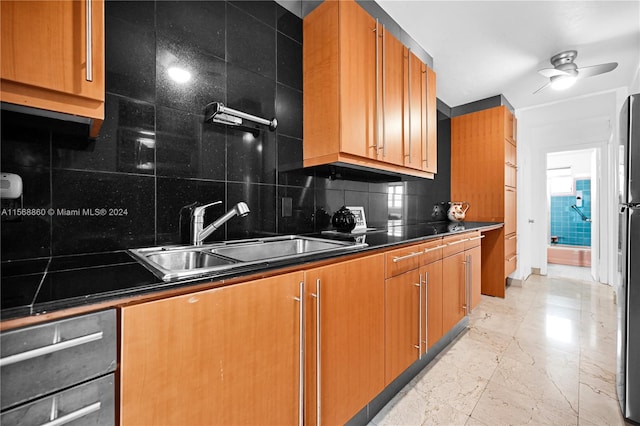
[(415, 121), (509, 126), (53, 57), (224, 356), (355, 99), (430, 155), (393, 98)]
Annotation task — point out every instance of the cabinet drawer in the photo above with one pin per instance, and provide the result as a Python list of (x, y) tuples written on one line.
[(475, 239), (454, 244), (432, 251), (510, 217), (402, 260), (510, 175), (90, 404), (510, 263), (510, 245), (46, 358)]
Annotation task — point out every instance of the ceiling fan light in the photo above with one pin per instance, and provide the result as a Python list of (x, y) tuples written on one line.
[(562, 82)]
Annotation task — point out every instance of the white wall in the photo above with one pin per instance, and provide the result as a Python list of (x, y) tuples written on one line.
[(578, 123), (579, 161)]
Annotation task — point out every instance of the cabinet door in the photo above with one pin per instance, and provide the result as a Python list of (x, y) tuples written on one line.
[(402, 322), (474, 266), (344, 339), (510, 218), (430, 154), (392, 100), (414, 139), (432, 291), (357, 49), (453, 290), (196, 359), (53, 57)]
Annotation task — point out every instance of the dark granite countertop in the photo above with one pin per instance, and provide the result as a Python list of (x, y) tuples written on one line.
[(33, 287)]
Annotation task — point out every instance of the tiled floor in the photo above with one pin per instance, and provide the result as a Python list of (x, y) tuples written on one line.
[(546, 354), (566, 271)]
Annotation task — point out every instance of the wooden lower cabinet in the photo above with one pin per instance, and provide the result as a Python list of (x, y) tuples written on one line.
[(344, 339), (224, 356), (453, 290), (432, 292), (402, 322)]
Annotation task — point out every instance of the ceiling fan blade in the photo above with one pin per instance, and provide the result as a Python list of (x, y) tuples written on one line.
[(542, 88), (551, 72), (596, 69)]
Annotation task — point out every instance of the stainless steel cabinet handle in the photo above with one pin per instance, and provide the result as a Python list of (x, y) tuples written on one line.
[(420, 318), (427, 250), (318, 353), (513, 237), (377, 138), (476, 238), (45, 350), (301, 357), (89, 40), (468, 281), (453, 243), (397, 259), (384, 94), (426, 311), (74, 415), (409, 96), (511, 258)]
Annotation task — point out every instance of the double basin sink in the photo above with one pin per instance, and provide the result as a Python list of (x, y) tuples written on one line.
[(178, 262)]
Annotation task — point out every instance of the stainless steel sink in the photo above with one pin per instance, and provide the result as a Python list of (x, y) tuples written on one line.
[(177, 262)]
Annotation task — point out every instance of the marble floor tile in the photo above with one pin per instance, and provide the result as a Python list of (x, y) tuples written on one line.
[(543, 355)]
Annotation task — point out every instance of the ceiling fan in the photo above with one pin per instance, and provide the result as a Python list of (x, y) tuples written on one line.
[(565, 72)]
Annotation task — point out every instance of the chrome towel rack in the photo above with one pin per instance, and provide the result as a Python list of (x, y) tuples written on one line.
[(216, 112)]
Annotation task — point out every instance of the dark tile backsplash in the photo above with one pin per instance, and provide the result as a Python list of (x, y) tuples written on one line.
[(155, 154)]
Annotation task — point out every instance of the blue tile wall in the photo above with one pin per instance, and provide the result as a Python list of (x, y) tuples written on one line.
[(155, 154), (566, 223)]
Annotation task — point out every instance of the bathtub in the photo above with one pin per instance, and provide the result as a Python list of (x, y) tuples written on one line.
[(569, 255)]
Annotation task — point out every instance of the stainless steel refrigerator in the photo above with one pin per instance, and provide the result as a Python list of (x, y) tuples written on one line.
[(628, 374)]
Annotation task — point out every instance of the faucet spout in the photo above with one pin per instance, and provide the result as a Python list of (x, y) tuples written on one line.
[(199, 235)]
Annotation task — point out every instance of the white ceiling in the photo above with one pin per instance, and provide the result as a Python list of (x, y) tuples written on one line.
[(485, 48)]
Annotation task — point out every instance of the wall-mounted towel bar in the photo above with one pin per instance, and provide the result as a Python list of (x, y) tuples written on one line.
[(218, 113)]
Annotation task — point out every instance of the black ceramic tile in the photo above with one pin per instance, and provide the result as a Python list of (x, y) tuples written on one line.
[(188, 147), (63, 263), (24, 267), (199, 24), (139, 13), (174, 194), (378, 211), (302, 217), (289, 62), (351, 185), (265, 11), (261, 201), (250, 43), (59, 288), (251, 158), (130, 49), (27, 235), (126, 142), (289, 24), (330, 200), (19, 291), (357, 199), (290, 163), (251, 93), (186, 78), (25, 141), (116, 211), (289, 111)]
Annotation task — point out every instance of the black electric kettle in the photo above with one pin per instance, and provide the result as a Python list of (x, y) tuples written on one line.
[(343, 220)]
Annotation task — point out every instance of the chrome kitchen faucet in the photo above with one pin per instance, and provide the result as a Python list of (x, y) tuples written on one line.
[(198, 234)]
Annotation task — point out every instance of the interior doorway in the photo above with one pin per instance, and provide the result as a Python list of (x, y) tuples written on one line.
[(572, 213)]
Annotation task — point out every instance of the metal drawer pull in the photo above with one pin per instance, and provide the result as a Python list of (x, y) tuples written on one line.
[(89, 40), (457, 242), (513, 237), (476, 238), (74, 415), (511, 258), (45, 350), (427, 250), (408, 256), (301, 355)]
